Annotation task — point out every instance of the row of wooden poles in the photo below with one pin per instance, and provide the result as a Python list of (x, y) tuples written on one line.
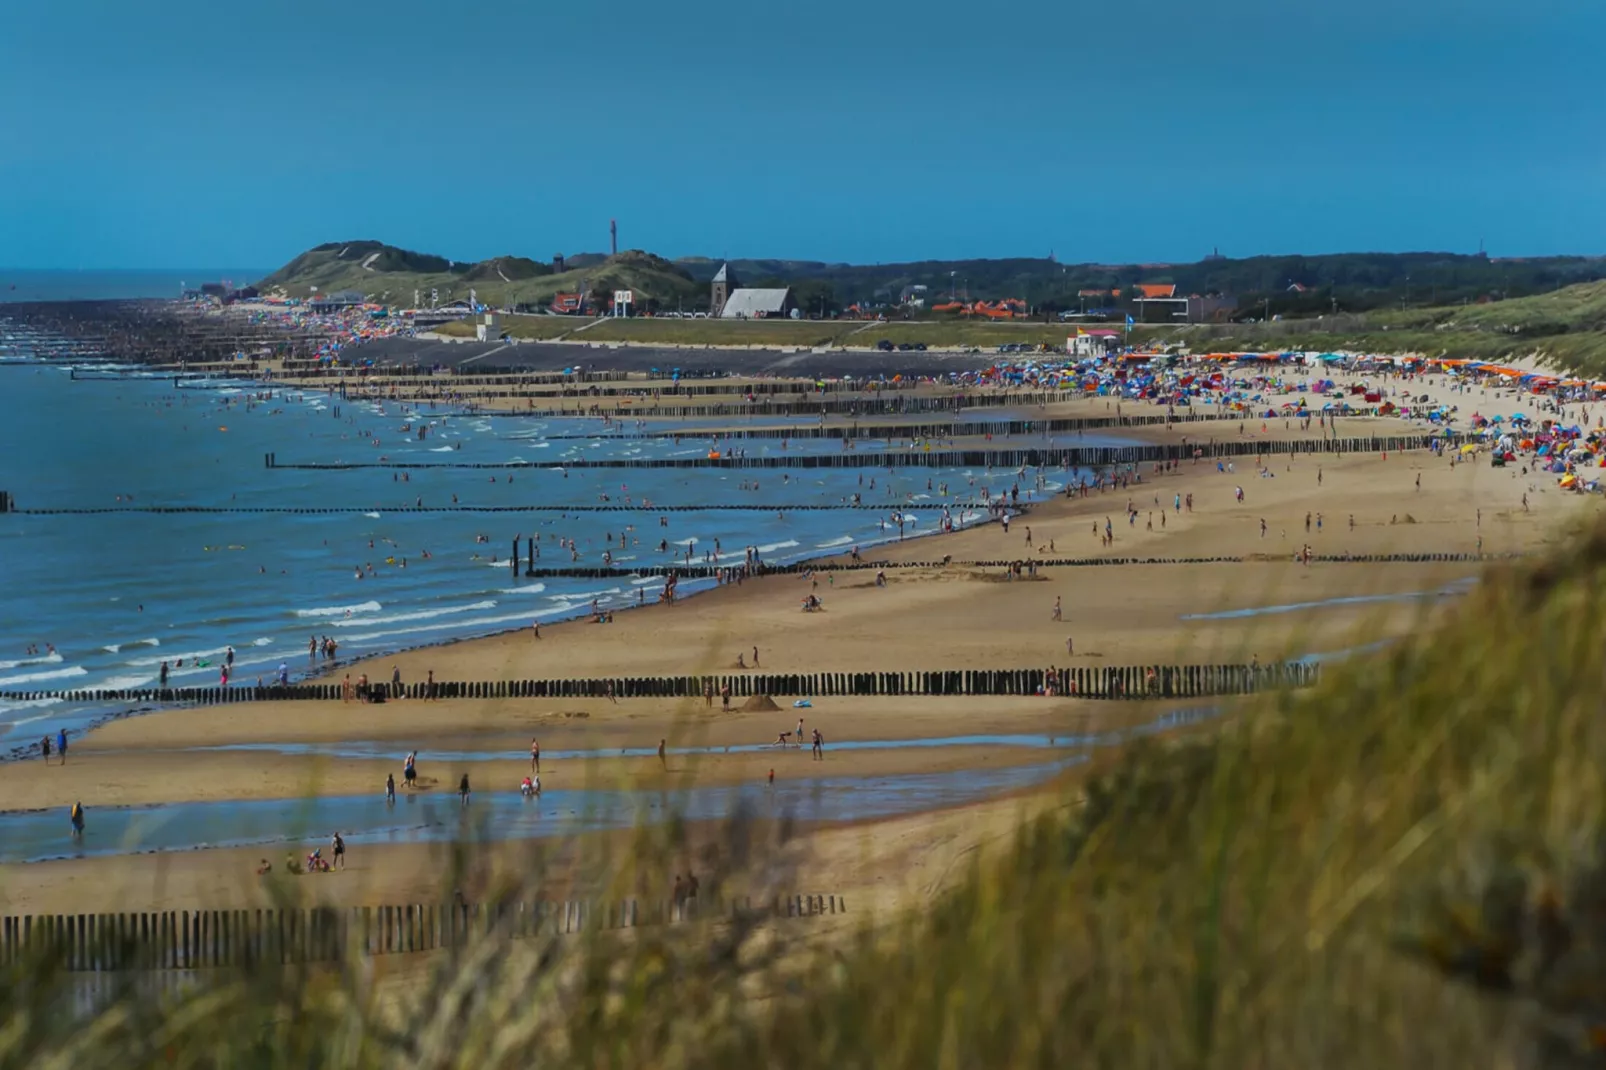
[(812, 507), (1066, 457), (996, 428), (199, 939), (889, 405), (1102, 682)]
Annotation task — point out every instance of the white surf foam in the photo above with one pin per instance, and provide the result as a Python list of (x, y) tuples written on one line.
[(828, 543), (46, 659), (422, 614), (443, 449), (340, 611), (774, 546), (31, 704), (371, 516), (478, 624), (112, 648), (534, 588), (192, 655), (119, 683), (51, 674)]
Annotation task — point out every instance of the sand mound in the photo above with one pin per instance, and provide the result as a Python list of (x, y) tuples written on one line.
[(759, 702)]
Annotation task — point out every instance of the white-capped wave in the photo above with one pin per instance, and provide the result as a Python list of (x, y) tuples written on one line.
[(479, 624), (533, 588), (371, 516), (828, 543), (30, 704), (50, 674), (772, 547), (44, 659), (444, 449), (422, 614), (119, 683), (191, 655), (340, 611)]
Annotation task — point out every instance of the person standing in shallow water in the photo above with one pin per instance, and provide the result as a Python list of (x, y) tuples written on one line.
[(462, 789), (77, 819)]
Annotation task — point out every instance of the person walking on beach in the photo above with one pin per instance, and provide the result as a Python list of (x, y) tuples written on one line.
[(339, 846), (390, 788), (462, 790), (535, 757), (410, 770), (77, 819), (1059, 612), (61, 744), (44, 748), (819, 746), (663, 761)]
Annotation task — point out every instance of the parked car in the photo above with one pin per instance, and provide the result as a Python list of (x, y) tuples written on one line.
[(885, 345)]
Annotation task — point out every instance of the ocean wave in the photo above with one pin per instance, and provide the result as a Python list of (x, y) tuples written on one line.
[(422, 614), (47, 659), (113, 648), (120, 683), (51, 674), (191, 655), (31, 704), (534, 588), (465, 626), (774, 546), (828, 543), (444, 449), (371, 516), (340, 611)]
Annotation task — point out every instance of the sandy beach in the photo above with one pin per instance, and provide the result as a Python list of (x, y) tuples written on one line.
[(1258, 603)]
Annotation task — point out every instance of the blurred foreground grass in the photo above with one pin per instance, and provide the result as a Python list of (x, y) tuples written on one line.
[(1400, 868)]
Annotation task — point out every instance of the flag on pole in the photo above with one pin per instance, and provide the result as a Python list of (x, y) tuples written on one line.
[(1129, 321)]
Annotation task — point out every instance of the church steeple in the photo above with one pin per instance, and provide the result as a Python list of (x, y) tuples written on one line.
[(720, 289)]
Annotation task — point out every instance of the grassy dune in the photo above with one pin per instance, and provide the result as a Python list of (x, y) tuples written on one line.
[(1398, 869), (1566, 328)]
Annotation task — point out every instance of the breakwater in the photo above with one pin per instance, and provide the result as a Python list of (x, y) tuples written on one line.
[(947, 429), (1099, 682), (8, 504), (203, 939), (1069, 457)]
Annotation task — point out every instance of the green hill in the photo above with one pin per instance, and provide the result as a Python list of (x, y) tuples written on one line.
[(387, 274), (1565, 328)]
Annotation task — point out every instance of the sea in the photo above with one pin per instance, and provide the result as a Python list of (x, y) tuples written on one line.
[(104, 598)]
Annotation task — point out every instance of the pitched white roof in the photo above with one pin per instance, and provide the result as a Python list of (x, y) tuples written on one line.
[(751, 303), (723, 274)]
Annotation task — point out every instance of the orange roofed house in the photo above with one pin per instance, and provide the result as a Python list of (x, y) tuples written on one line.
[(1171, 308)]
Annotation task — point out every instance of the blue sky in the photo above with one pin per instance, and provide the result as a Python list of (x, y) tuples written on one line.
[(181, 134)]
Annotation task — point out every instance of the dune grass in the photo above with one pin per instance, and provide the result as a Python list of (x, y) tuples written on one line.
[(1400, 868), (1565, 329)]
